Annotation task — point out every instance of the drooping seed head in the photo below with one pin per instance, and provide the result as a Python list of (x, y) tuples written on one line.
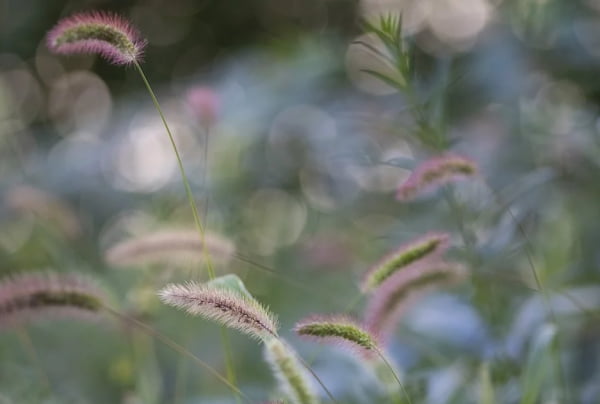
[(169, 246), (47, 295), (395, 295), (226, 307), (290, 375), (429, 246), (339, 330), (105, 34), (433, 173)]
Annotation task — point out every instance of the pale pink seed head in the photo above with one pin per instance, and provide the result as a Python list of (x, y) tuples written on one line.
[(431, 245), (46, 295), (102, 33), (397, 294), (223, 306), (204, 104), (435, 172), (170, 246)]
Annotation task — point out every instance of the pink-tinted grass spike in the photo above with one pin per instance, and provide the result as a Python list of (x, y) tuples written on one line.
[(105, 34), (226, 307), (47, 295), (167, 247), (433, 173), (338, 330), (204, 104), (431, 245), (396, 295)]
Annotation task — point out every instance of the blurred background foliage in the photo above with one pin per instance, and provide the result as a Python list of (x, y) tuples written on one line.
[(305, 151)]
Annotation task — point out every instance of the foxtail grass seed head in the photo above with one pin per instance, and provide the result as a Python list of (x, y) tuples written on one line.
[(223, 306), (395, 295), (429, 246), (338, 330), (433, 173), (105, 34), (291, 376), (47, 295), (169, 246)]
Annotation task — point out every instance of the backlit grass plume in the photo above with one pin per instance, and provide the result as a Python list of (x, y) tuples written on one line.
[(293, 379), (224, 306), (429, 246), (434, 173), (338, 330), (46, 295), (395, 295), (168, 246), (105, 34)]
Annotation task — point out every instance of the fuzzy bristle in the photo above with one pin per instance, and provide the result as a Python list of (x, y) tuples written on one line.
[(396, 294), (226, 307), (338, 330), (431, 245), (45, 295), (434, 173), (292, 378), (169, 246), (106, 34)]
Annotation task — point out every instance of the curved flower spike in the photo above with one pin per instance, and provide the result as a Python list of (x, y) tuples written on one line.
[(106, 34), (226, 307), (338, 330), (46, 295), (431, 245), (397, 294), (434, 173)]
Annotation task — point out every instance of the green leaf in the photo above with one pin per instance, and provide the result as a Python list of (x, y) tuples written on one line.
[(231, 282), (539, 365)]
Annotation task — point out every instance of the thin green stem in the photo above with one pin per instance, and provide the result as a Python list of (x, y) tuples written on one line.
[(176, 347), (184, 177), (541, 288), (317, 378), (205, 173), (391, 368), (190, 196), (229, 362)]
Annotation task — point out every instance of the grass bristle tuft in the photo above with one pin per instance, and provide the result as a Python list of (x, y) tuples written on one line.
[(226, 307), (105, 34), (429, 246)]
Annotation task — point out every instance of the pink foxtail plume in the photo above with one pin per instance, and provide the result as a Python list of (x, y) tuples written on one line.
[(429, 246), (433, 173), (223, 306), (393, 298), (204, 104), (105, 34), (47, 295)]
